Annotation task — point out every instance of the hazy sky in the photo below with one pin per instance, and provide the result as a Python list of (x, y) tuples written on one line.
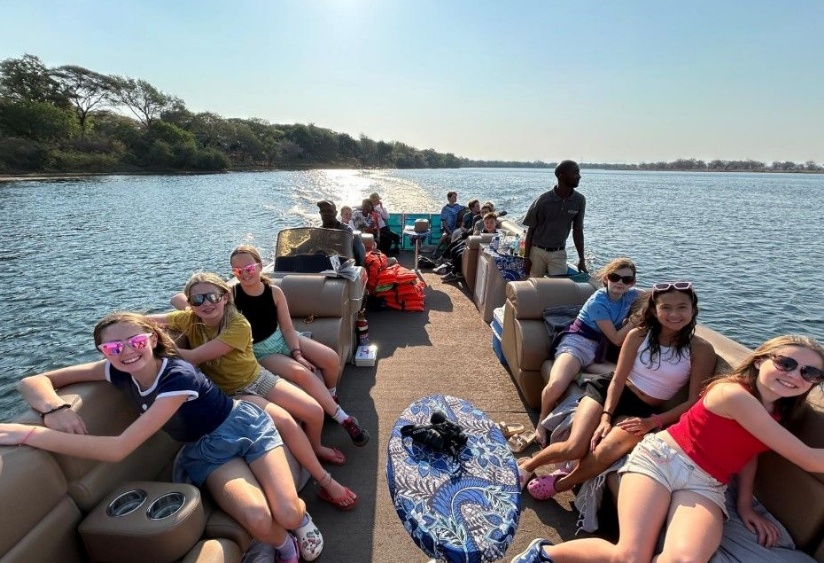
[(600, 81)]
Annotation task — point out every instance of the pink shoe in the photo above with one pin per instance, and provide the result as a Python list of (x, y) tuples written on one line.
[(543, 488)]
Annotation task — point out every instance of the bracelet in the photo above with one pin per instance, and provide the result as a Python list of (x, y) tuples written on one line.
[(23, 441), (294, 351), (658, 421), (55, 409), (609, 414)]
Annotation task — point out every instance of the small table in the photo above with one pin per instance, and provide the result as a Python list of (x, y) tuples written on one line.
[(456, 509), (415, 238), (511, 267)]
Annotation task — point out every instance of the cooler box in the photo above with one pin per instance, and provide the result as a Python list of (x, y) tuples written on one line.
[(497, 327)]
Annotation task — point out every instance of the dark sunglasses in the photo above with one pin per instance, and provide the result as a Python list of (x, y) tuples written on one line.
[(666, 286), (199, 299), (615, 278), (810, 374)]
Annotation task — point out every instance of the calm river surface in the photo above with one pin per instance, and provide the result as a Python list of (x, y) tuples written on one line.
[(72, 251)]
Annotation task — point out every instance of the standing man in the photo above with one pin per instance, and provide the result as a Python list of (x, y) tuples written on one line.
[(549, 219)]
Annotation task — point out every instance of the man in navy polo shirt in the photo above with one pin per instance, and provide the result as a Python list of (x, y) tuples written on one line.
[(550, 218)]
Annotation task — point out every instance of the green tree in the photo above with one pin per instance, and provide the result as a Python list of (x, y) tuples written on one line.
[(85, 89), (144, 100), (38, 121), (28, 80)]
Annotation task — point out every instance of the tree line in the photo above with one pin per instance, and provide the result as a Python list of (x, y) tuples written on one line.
[(73, 119)]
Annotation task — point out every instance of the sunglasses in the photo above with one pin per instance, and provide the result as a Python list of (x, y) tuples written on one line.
[(116, 347), (199, 299), (615, 278), (250, 269), (678, 286), (809, 374)]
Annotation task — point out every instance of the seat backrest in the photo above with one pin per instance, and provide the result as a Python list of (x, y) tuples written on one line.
[(314, 241)]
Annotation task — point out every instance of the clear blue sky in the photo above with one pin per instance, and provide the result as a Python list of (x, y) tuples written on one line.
[(623, 81)]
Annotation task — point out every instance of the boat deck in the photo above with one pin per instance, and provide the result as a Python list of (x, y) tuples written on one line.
[(445, 349)]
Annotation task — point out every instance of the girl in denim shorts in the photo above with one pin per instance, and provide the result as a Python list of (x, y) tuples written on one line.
[(601, 320), (682, 473), (173, 395)]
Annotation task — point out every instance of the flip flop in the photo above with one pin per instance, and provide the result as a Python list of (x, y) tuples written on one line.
[(510, 430), (337, 459), (520, 442), (347, 501)]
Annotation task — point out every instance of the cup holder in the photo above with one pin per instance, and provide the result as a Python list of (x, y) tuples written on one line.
[(126, 503), (165, 506)]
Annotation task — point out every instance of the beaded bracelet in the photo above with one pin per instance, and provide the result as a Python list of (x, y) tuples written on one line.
[(55, 409)]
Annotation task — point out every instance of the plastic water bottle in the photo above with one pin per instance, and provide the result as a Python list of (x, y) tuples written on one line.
[(516, 246), (522, 247), (362, 325), (495, 243)]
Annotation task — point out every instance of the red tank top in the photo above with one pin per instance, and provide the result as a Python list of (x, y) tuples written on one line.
[(720, 446)]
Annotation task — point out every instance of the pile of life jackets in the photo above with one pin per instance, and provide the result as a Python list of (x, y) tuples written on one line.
[(393, 286)]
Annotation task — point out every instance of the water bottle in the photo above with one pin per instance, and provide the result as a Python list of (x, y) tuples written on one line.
[(495, 243), (516, 245), (522, 247), (362, 325)]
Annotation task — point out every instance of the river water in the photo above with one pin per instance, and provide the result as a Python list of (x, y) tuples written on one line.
[(73, 250)]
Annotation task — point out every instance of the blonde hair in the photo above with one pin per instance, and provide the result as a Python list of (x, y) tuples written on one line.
[(229, 311), (746, 373), (165, 346), (613, 266)]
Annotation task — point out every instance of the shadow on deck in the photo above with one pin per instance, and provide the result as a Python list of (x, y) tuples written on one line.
[(445, 349)]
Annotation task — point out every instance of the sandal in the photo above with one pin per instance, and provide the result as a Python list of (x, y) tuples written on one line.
[(347, 501), (337, 459), (523, 477), (510, 430), (310, 540), (520, 442), (543, 488)]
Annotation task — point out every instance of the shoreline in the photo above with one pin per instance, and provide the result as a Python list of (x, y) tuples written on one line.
[(43, 176)]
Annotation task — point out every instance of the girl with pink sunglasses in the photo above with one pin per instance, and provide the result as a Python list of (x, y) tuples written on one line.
[(142, 361)]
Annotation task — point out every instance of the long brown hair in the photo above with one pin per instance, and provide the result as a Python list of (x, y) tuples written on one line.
[(646, 319), (746, 373), (165, 347)]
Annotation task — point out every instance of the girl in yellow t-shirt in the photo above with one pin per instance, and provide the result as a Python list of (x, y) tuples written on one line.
[(220, 344)]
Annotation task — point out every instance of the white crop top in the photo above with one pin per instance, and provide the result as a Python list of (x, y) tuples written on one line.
[(667, 374)]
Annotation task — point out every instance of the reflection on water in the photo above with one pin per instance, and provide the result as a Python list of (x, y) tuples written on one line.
[(72, 251)]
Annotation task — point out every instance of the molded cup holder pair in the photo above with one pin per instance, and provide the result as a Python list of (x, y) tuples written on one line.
[(162, 507)]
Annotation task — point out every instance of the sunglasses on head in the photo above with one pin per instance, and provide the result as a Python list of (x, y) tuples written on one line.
[(199, 299), (250, 269), (116, 347), (678, 286), (615, 278), (809, 374)]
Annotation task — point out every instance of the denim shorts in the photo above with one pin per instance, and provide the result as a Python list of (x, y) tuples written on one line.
[(275, 344), (247, 433), (265, 382), (582, 349), (658, 460)]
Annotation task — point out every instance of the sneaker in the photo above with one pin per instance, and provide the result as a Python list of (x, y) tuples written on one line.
[(360, 437), (442, 269), (452, 278), (534, 553)]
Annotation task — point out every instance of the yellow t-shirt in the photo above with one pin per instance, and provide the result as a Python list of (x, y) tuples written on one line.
[(233, 371)]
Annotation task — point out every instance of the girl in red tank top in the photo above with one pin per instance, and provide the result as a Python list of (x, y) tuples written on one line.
[(738, 416)]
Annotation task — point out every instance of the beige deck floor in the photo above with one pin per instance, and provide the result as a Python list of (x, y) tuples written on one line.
[(445, 349)]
